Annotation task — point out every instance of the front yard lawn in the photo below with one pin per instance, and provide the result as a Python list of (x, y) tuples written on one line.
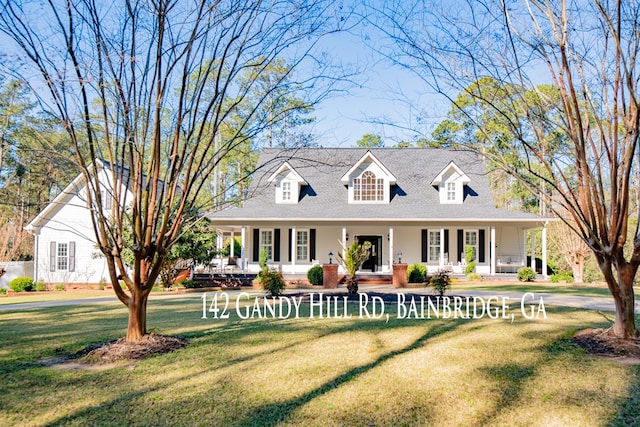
[(318, 372)]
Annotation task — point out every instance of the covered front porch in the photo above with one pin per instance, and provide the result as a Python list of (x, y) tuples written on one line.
[(496, 248)]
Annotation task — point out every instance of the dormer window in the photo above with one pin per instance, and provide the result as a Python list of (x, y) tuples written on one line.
[(287, 183), (450, 183), (451, 191), (369, 181), (286, 191), (368, 188)]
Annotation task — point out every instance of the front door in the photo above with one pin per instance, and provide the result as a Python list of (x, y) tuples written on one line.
[(375, 255)]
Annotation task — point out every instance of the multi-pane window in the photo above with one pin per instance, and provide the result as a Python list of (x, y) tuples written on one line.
[(62, 262), (266, 243), (302, 245), (368, 187), (451, 191), (107, 200), (434, 245), (286, 191), (471, 239)]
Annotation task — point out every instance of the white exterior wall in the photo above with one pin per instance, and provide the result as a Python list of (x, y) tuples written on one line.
[(70, 222)]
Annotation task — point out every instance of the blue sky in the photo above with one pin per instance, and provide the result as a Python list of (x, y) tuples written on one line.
[(383, 93)]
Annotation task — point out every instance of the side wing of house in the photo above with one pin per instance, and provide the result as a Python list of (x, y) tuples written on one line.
[(64, 241)]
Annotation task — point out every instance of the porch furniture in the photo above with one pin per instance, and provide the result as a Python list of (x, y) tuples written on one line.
[(510, 262)]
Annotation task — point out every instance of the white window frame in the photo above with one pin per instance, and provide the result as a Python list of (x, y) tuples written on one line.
[(286, 191), (265, 245), (62, 256), (475, 246), (302, 249), (451, 191), (370, 191), (433, 245)]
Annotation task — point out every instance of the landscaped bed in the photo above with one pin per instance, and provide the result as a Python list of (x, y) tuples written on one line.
[(310, 371)]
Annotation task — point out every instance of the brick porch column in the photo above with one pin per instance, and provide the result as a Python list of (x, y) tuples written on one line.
[(329, 276), (399, 275)]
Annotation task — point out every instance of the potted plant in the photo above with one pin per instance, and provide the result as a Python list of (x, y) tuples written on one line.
[(354, 256)]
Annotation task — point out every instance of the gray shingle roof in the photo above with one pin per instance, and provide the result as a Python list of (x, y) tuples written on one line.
[(413, 198)]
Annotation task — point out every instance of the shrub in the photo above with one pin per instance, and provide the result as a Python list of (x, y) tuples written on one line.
[(102, 284), (474, 277), (417, 273), (272, 282), (565, 276), (21, 284), (190, 284), (315, 275), (59, 287), (526, 274), (469, 258), (40, 286), (440, 282), (3, 291)]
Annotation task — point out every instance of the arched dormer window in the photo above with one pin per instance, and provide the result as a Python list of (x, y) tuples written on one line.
[(368, 187)]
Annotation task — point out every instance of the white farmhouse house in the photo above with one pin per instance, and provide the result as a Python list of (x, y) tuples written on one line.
[(64, 241), (416, 205)]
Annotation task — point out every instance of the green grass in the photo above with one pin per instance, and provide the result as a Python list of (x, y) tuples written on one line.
[(318, 372)]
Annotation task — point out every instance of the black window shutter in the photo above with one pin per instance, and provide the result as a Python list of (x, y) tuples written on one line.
[(276, 245), (424, 245), (290, 244), (460, 245), (481, 246), (446, 243), (312, 244), (256, 244), (52, 256), (72, 256)]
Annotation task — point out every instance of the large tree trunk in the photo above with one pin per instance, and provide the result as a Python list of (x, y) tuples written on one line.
[(137, 327), (621, 288)]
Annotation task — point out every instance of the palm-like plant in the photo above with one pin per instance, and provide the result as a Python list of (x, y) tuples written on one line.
[(354, 256)]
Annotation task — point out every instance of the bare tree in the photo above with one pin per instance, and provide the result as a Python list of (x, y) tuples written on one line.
[(147, 87), (14, 241), (587, 50), (571, 246)]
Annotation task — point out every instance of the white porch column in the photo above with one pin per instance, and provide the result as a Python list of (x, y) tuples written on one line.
[(243, 244), (219, 240), (344, 241), (441, 248), (232, 245), (544, 250), (532, 233), (492, 248), (293, 250), (390, 248), (524, 247)]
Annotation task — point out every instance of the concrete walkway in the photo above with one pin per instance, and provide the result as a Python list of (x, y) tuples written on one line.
[(592, 303)]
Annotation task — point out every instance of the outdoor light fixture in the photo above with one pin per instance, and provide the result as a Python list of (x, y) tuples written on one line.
[(346, 236), (330, 257), (399, 257)]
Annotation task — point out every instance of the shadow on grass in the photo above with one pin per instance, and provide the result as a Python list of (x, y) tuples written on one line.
[(118, 406), (629, 409), (511, 378), (278, 412)]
